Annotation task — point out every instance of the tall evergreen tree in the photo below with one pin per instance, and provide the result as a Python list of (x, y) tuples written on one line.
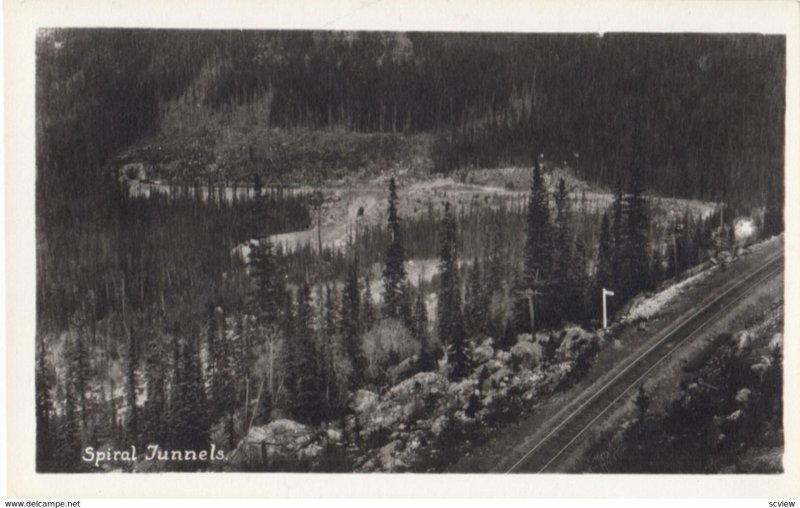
[(223, 386), (419, 329), (131, 390), (156, 379), (267, 299), (604, 274), (44, 407), (308, 400), (351, 324), (538, 240), (212, 343), (567, 270), (70, 439), (638, 247), (451, 322), (620, 245), (191, 430), (394, 272), (476, 302), (367, 306)]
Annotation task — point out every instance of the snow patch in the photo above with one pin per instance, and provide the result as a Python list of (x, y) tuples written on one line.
[(649, 307)]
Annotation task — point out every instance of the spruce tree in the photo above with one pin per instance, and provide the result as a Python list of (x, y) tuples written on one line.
[(156, 378), (223, 388), (266, 300), (131, 391), (605, 260), (638, 252), (44, 407), (567, 280), (367, 306), (70, 441), (394, 272), (476, 302), (538, 241), (191, 430), (212, 343), (351, 324), (427, 356), (451, 323), (620, 233), (308, 401)]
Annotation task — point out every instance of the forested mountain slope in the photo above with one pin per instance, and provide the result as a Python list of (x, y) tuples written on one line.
[(711, 106)]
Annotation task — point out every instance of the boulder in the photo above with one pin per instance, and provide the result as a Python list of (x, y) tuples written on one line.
[(743, 395), (402, 370), (364, 401), (284, 440), (576, 340), (526, 354), (776, 342), (743, 341), (482, 354)]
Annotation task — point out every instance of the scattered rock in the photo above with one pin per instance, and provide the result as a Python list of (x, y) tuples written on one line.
[(527, 354), (735, 415), (743, 395), (364, 401), (482, 354), (402, 370)]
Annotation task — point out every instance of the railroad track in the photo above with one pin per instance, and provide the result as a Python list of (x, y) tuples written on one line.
[(572, 422)]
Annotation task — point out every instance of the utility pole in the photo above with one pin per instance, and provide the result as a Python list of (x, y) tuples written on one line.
[(606, 293), (530, 294)]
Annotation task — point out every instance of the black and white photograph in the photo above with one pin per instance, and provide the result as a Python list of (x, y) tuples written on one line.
[(419, 252), (336, 251)]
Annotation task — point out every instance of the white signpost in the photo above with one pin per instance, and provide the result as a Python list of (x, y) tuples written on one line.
[(606, 293)]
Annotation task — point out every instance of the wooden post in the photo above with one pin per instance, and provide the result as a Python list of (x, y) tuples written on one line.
[(605, 316)]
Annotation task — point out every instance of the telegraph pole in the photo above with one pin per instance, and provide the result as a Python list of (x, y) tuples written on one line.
[(606, 293), (530, 294)]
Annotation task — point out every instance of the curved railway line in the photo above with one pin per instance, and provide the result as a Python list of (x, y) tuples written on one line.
[(579, 416)]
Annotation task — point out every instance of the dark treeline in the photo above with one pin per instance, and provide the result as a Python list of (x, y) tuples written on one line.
[(168, 250), (144, 296), (713, 105)]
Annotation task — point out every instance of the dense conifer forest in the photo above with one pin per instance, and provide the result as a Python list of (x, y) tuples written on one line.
[(152, 327)]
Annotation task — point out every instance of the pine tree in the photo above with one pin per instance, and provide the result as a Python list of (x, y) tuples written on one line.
[(773, 212), (351, 324), (538, 240), (131, 391), (308, 402), (266, 301), (156, 377), (605, 261), (367, 307), (451, 323), (427, 357), (223, 388), (70, 441), (328, 348), (78, 354), (44, 406), (212, 343), (476, 302), (620, 246), (394, 273), (191, 430), (567, 273), (638, 253)]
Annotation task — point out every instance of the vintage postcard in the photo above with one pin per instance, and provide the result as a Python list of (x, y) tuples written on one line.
[(483, 250)]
